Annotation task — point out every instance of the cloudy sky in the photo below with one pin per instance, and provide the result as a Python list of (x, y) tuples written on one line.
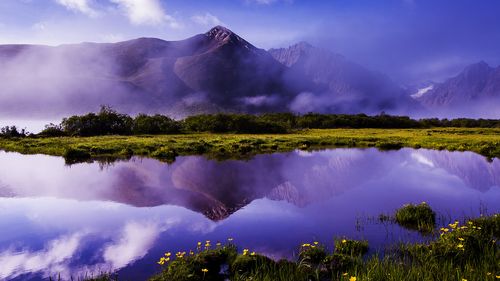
[(410, 40)]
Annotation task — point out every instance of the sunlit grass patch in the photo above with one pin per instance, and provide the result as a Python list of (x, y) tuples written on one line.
[(243, 146)]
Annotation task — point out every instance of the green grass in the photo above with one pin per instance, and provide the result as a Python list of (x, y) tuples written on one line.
[(419, 217), (222, 146), (467, 251)]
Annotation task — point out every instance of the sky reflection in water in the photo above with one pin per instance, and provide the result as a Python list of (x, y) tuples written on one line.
[(86, 218)]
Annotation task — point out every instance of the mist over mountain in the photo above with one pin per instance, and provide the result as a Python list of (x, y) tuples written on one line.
[(474, 92), (341, 85), (213, 72)]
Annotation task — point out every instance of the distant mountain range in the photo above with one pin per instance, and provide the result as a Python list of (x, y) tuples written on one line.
[(213, 72), (476, 90)]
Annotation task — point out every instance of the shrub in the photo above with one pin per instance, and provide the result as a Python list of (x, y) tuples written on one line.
[(106, 122), (52, 130), (156, 124), (12, 132)]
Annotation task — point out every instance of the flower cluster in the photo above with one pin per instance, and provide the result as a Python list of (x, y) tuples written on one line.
[(164, 259)]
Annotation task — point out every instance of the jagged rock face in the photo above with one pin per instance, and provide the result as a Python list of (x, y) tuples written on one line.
[(476, 85)]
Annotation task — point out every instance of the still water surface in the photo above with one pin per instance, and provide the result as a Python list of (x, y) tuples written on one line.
[(71, 220)]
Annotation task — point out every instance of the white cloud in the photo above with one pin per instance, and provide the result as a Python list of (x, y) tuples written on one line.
[(269, 2), (112, 37), (39, 26), (82, 6), (422, 159), (55, 256), (207, 19), (146, 12), (134, 244)]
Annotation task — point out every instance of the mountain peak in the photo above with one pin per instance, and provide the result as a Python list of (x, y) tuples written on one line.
[(219, 32), (479, 66), (291, 55), (477, 70), (224, 35), (303, 45)]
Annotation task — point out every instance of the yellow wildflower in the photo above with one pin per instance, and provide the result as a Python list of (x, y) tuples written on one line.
[(245, 252), (168, 254), (461, 239), (204, 270), (316, 243), (306, 245), (353, 278), (460, 246), (252, 254), (345, 241)]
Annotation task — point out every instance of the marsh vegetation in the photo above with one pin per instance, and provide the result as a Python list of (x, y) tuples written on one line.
[(463, 251)]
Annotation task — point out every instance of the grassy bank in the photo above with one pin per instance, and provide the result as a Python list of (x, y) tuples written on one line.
[(467, 250), (463, 251), (484, 141)]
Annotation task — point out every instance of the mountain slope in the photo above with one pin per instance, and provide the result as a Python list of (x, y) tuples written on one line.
[(341, 85), (475, 90), (210, 72), (214, 70)]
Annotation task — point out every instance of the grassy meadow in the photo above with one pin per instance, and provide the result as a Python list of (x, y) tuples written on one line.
[(485, 141)]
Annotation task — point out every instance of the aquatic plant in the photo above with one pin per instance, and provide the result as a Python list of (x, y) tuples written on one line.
[(420, 217), (467, 251), (351, 247)]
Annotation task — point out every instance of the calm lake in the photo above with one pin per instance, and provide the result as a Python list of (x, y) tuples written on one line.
[(87, 218)]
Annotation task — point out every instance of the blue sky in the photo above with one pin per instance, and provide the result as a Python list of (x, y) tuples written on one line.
[(411, 40)]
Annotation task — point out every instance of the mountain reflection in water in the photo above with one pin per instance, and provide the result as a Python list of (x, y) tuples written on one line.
[(84, 218)]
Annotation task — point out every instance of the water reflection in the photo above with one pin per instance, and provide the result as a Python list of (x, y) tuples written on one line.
[(78, 219)]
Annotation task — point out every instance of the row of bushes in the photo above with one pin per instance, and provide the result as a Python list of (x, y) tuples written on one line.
[(109, 122), (12, 132)]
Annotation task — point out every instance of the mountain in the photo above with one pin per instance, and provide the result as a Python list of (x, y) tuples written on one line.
[(476, 91), (210, 72), (341, 85), (214, 70)]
